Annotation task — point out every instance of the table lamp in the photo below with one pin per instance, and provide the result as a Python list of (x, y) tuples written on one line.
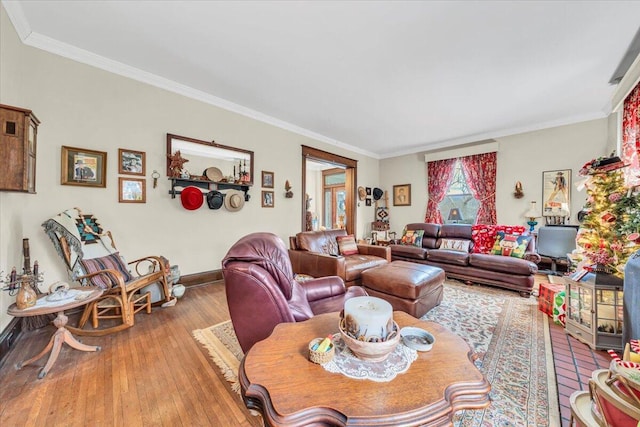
[(454, 215), (532, 214)]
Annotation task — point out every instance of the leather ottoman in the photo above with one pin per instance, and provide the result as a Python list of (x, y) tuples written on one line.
[(409, 287)]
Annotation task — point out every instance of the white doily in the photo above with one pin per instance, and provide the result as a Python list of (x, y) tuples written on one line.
[(346, 363)]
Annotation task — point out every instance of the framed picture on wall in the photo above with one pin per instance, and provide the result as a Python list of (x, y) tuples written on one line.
[(556, 192), (267, 199), (267, 179), (131, 162), (402, 195), (83, 167), (132, 190)]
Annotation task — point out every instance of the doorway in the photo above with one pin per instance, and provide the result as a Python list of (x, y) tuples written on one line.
[(329, 187)]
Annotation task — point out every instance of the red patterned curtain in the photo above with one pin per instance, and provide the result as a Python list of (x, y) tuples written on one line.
[(631, 136), (480, 171), (439, 175)]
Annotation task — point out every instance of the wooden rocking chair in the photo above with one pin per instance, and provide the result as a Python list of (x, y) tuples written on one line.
[(92, 259)]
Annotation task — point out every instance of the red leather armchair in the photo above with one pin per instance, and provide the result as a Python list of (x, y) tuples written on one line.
[(261, 291)]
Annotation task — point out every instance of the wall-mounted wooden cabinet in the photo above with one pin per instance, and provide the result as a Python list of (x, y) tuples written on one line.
[(18, 140)]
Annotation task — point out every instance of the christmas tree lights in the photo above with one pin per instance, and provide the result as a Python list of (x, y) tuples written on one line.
[(610, 231)]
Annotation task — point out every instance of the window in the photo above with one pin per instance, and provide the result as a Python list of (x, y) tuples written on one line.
[(459, 206)]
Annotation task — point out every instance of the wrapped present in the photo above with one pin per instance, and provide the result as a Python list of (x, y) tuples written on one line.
[(547, 296), (559, 308)]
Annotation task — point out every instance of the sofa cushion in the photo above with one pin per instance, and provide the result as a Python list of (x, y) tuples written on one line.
[(484, 235), (502, 264), (448, 257), (322, 242), (347, 245), (408, 251), (510, 245), (431, 233), (356, 264), (455, 245), (412, 237)]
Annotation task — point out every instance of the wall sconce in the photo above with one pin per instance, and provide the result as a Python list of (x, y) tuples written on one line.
[(532, 214), (289, 193), (454, 215), (518, 193)]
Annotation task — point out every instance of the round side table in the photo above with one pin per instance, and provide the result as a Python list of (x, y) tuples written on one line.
[(62, 334)]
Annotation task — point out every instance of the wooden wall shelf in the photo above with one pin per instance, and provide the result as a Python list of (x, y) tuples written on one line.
[(207, 185)]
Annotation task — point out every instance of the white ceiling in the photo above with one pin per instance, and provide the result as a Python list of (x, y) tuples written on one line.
[(381, 78)]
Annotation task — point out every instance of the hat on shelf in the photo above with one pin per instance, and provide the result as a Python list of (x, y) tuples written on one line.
[(191, 198), (377, 193), (215, 199), (213, 174), (234, 200)]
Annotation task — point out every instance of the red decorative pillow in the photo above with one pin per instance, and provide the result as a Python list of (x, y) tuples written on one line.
[(347, 245), (113, 262), (484, 235)]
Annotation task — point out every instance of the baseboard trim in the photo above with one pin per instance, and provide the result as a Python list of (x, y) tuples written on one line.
[(201, 278), (8, 337)]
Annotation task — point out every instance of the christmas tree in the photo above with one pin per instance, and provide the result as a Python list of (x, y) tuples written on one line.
[(609, 233)]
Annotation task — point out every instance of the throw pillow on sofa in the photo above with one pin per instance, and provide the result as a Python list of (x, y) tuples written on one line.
[(347, 245), (412, 238), (455, 245), (513, 245), (484, 235)]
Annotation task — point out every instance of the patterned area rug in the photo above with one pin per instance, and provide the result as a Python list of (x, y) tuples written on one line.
[(509, 334)]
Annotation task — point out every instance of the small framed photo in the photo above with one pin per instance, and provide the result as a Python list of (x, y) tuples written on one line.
[(267, 199), (267, 179), (131, 162), (83, 167), (368, 191), (132, 190), (367, 201), (402, 195)]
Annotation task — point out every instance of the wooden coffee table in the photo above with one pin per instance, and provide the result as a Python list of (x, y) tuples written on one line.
[(278, 380)]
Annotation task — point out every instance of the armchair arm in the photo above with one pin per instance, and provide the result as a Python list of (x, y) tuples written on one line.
[(381, 251), (323, 287), (157, 262), (533, 257), (317, 265)]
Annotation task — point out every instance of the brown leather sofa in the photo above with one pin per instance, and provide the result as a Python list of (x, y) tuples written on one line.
[(261, 290), (316, 253), (506, 272)]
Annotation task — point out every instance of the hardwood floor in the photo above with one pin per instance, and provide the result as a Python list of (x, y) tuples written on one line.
[(154, 374)]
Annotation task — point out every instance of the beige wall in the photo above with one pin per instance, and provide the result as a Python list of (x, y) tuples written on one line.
[(81, 106), (520, 158)]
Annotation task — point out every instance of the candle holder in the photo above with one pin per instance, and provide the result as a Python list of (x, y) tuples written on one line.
[(14, 282)]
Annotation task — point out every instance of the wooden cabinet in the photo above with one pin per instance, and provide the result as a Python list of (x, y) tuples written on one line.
[(18, 140)]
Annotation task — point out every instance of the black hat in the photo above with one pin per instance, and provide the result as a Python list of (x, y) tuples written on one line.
[(215, 199), (377, 193)]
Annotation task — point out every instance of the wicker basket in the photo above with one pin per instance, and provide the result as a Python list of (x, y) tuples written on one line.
[(321, 357)]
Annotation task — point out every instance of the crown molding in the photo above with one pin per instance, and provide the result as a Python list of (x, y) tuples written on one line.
[(48, 44)]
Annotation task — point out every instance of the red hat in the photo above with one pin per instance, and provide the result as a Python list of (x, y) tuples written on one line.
[(191, 198)]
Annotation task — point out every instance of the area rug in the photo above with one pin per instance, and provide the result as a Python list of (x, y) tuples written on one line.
[(507, 332)]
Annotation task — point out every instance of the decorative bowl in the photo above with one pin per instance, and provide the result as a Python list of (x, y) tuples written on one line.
[(372, 351), (417, 338)]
